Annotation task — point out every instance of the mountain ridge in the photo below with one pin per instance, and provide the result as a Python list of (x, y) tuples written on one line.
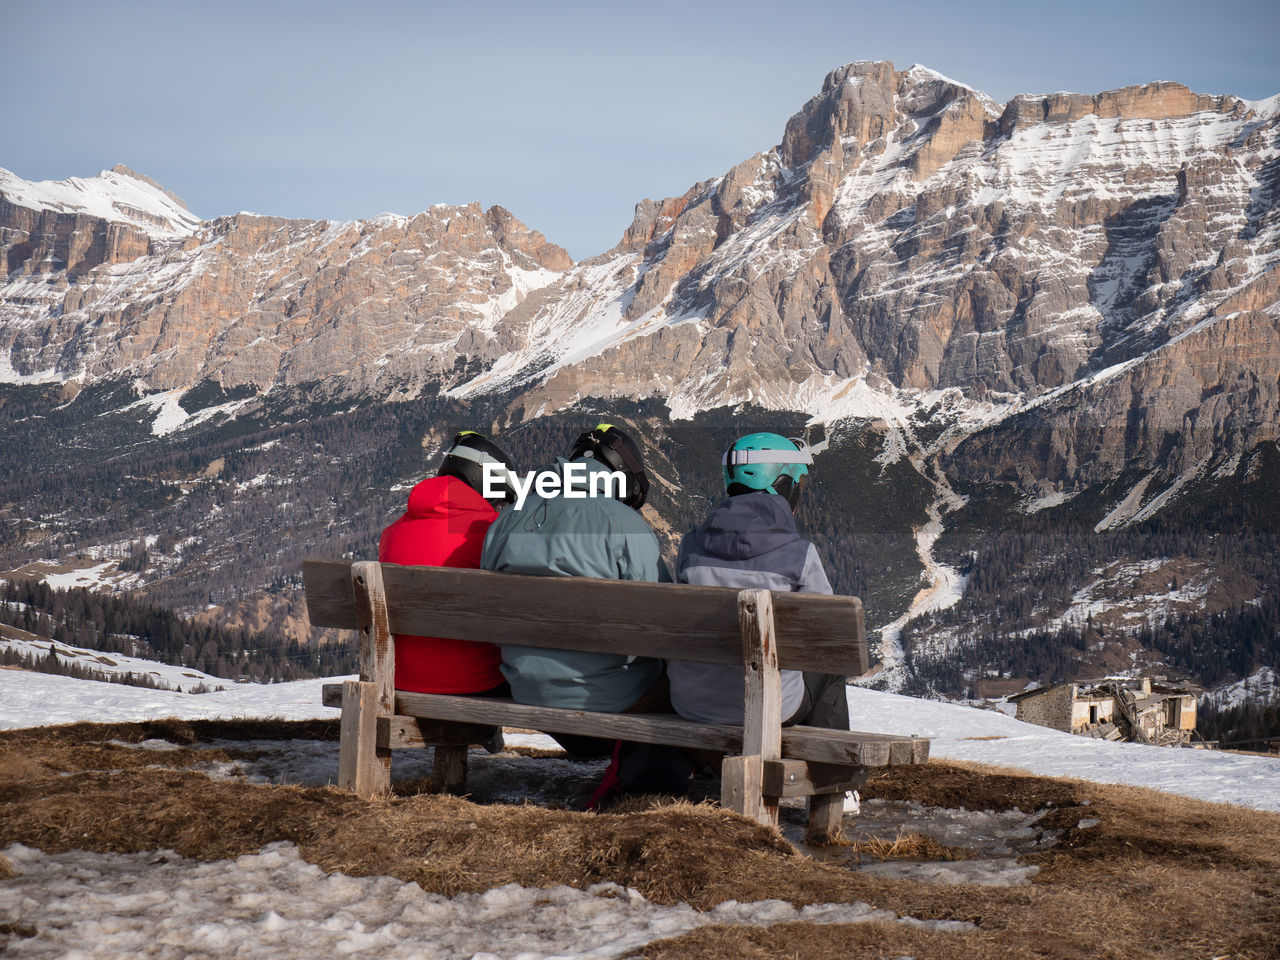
[(855, 102), (1067, 300)]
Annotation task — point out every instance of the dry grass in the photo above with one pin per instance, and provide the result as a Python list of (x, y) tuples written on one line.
[(1156, 877), (909, 846)]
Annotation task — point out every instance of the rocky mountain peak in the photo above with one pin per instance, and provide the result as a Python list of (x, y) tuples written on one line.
[(862, 103), (69, 227), (528, 245), (116, 196), (1151, 101), (121, 169)]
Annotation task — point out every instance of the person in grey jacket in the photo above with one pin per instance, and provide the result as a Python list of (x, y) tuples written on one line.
[(750, 540), (582, 536)]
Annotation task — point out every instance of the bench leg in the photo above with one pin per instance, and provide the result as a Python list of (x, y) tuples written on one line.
[(826, 812), (362, 765), (741, 782), (450, 769)]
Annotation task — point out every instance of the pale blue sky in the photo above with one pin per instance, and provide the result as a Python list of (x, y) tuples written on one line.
[(565, 113)]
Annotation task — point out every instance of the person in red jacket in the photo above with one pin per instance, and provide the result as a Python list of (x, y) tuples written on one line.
[(444, 526)]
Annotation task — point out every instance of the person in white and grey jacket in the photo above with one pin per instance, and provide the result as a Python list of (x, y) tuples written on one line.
[(750, 540)]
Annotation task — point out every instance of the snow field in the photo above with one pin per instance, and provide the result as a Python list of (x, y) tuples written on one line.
[(37, 700), (185, 679), (111, 196)]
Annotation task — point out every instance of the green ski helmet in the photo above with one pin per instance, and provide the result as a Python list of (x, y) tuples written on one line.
[(767, 463)]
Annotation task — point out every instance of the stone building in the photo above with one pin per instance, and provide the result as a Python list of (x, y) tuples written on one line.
[(1114, 708)]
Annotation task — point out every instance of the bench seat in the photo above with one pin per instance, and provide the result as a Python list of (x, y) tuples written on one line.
[(754, 629)]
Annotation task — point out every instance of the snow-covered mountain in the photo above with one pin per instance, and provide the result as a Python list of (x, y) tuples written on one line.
[(116, 196), (907, 235), (1070, 298)]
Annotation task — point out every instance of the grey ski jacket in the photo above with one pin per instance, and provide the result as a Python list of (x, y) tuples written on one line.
[(747, 541), (575, 537)]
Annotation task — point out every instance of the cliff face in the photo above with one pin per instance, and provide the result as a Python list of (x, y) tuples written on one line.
[(263, 301), (1096, 275), (1109, 260)]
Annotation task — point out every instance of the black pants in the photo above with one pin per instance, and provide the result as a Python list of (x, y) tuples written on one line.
[(824, 705)]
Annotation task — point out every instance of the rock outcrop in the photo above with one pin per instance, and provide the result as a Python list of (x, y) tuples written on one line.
[(1097, 273)]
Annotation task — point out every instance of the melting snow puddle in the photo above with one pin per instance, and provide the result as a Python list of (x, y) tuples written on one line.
[(985, 832), (996, 839), (275, 905)]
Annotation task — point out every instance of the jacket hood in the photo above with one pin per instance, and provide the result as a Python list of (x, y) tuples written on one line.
[(447, 498), (746, 526)]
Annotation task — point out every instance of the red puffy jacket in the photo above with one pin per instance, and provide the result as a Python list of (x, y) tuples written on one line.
[(443, 527)]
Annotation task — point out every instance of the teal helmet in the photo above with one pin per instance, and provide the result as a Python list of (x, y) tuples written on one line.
[(766, 463)]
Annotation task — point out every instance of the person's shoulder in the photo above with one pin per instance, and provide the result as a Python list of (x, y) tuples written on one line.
[(621, 517)]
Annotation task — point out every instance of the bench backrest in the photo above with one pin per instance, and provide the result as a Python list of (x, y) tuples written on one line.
[(675, 621)]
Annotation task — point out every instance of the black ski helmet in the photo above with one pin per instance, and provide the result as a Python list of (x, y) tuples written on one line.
[(617, 451), (465, 460)]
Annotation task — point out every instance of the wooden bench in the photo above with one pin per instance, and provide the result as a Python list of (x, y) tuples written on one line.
[(758, 629)]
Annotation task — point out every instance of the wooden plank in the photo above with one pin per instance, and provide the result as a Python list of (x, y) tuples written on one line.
[(907, 751), (399, 733), (362, 765), (880, 750), (826, 815), (800, 743), (762, 681), (377, 652), (801, 778), (449, 770), (814, 632), (740, 788), (761, 694), (646, 728), (331, 695), (326, 584)]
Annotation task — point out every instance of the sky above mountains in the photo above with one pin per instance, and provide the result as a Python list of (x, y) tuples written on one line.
[(565, 113)]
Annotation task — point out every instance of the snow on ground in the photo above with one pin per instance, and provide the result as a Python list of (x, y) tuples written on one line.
[(273, 904), (54, 573), (171, 416), (38, 699), (1262, 685), (958, 732), (179, 678), (1124, 595), (989, 737), (944, 584)]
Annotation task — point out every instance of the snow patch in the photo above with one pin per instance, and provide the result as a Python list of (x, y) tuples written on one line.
[(1127, 508), (275, 905), (111, 196), (171, 416), (98, 576), (1046, 502), (1262, 686), (183, 679)]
